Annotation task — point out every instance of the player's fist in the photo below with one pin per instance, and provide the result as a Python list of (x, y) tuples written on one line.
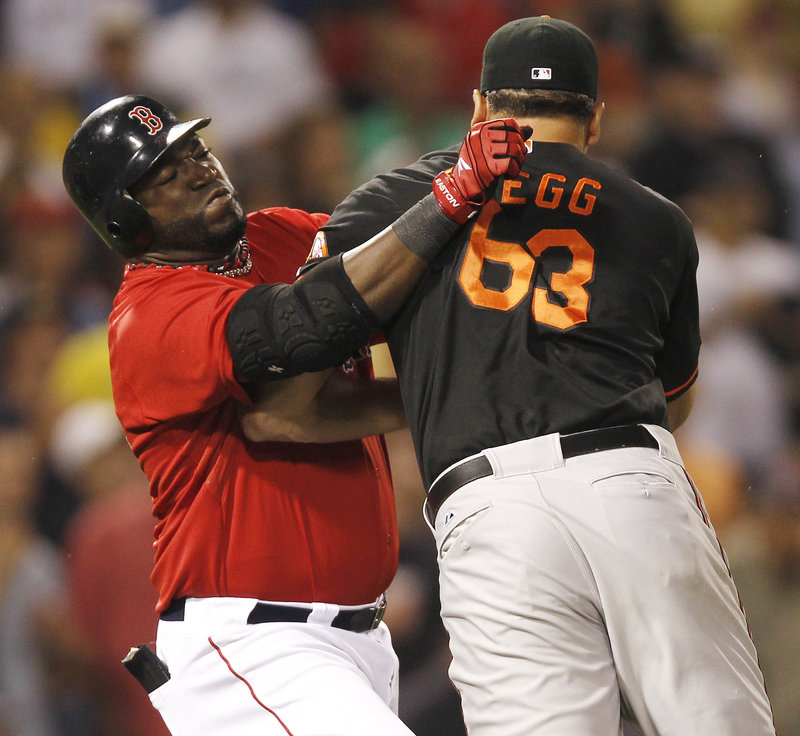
[(491, 149)]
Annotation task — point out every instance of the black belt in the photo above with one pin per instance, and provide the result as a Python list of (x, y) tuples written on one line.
[(572, 445), (356, 619)]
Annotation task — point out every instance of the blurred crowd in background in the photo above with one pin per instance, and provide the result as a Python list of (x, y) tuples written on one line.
[(310, 98)]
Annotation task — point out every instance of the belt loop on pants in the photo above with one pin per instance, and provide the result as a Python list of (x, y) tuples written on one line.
[(572, 445), (350, 618)]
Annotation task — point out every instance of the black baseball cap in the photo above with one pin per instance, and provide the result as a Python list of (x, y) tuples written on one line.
[(540, 53)]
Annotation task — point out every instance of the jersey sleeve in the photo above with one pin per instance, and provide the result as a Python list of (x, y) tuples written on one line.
[(280, 238), (169, 351), (378, 203), (677, 362)]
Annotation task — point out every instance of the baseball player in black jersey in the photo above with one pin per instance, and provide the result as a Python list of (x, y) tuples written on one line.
[(543, 360)]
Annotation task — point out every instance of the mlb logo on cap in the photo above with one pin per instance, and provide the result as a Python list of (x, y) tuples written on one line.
[(541, 72)]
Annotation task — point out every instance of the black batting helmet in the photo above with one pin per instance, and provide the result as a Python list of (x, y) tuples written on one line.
[(113, 148)]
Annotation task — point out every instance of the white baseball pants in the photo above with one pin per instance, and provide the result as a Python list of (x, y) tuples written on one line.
[(273, 679), (576, 590)]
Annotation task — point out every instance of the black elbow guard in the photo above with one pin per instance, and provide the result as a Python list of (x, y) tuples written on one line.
[(277, 331)]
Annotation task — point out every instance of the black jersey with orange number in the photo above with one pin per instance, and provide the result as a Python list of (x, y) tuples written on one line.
[(568, 303)]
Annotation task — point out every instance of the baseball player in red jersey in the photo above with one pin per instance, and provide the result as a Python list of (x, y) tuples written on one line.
[(543, 360), (271, 558)]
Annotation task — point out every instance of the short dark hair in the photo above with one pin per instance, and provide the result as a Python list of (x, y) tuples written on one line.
[(524, 103)]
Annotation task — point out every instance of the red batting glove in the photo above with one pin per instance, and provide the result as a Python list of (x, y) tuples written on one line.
[(491, 149)]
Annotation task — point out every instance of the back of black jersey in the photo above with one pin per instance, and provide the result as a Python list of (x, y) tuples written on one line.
[(568, 303)]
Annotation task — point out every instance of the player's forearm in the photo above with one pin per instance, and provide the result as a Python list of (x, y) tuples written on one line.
[(357, 408), (386, 269), (278, 405), (384, 272), (342, 409)]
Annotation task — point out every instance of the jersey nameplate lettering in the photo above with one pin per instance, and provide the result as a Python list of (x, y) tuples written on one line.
[(550, 193)]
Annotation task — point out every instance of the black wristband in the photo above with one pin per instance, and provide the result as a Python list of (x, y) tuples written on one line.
[(425, 229)]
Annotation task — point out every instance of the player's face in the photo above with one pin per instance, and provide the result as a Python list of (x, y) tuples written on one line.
[(193, 205)]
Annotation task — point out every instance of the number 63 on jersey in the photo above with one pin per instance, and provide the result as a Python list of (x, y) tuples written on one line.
[(567, 287)]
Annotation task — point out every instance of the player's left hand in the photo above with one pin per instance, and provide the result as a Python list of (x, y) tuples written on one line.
[(491, 149)]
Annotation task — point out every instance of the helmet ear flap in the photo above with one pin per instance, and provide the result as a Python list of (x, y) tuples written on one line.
[(128, 226)]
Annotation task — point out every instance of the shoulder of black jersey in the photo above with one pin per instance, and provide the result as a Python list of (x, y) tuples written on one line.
[(681, 221), (375, 205), (654, 205), (412, 178)]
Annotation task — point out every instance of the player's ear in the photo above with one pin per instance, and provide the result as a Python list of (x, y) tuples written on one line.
[(593, 126), (479, 103)]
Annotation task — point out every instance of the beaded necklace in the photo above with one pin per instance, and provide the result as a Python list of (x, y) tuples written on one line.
[(239, 264)]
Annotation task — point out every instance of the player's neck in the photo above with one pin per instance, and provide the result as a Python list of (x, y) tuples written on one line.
[(180, 257), (557, 130)]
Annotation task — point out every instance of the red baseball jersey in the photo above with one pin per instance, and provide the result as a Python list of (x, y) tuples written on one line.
[(268, 520)]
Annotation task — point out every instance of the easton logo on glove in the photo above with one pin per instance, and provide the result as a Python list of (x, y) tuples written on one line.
[(491, 149), (441, 184)]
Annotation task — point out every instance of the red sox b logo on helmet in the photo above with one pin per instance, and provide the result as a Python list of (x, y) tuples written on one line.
[(146, 116)]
